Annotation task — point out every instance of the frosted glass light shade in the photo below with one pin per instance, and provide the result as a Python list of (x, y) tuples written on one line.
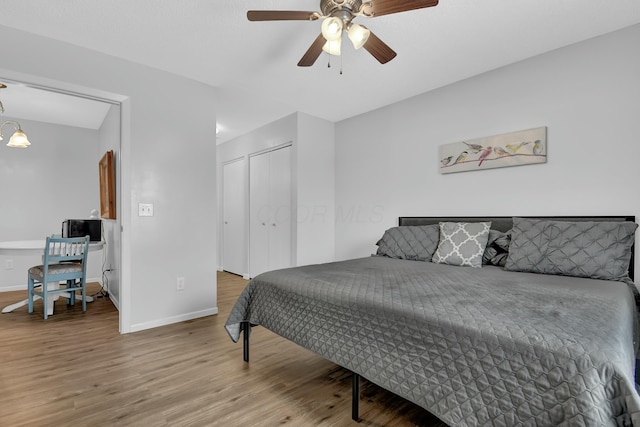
[(333, 47), (331, 28), (18, 140), (358, 34)]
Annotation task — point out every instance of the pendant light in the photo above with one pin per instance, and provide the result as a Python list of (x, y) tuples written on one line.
[(19, 138)]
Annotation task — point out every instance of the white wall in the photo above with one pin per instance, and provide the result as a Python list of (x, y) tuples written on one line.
[(54, 179), (315, 189), (312, 180), (167, 158), (588, 95)]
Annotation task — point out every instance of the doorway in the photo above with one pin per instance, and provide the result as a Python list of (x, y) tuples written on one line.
[(69, 132)]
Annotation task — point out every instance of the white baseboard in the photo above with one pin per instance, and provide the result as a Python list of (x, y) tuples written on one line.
[(13, 288), (246, 276), (114, 301), (174, 319), (23, 287)]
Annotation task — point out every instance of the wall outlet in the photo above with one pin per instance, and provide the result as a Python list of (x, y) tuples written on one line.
[(180, 284), (145, 209), (8, 264)]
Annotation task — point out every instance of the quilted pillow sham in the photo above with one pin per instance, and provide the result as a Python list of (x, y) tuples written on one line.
[(462, 243), (414, 242), (594, 249)]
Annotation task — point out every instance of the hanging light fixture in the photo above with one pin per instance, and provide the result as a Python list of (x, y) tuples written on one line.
[(332, 32), (19, 138)]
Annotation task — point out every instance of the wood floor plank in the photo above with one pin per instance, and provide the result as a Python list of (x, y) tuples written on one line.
[(76, 369)]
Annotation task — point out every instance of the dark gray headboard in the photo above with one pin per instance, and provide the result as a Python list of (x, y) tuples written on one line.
[(504, 223)]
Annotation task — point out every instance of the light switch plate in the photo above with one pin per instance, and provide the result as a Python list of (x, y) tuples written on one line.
[(145, 209)]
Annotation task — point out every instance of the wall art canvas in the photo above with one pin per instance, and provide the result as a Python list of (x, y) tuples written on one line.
[(509, 149)]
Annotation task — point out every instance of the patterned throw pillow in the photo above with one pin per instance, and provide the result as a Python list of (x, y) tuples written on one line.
[(414, 242), (462, 243)]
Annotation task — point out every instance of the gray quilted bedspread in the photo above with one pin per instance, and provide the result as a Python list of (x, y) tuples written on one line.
[(475, 347)]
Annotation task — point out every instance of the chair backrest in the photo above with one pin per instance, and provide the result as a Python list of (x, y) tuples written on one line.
[(62, 249)]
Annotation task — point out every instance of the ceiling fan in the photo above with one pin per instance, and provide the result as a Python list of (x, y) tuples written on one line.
[(337, 16)]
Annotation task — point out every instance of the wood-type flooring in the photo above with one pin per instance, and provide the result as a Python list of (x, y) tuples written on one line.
[(76, 369)]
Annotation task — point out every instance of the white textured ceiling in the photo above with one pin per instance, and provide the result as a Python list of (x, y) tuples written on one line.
[(254, 63)]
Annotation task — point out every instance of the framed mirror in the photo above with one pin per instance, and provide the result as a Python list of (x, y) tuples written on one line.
[(107, 186)]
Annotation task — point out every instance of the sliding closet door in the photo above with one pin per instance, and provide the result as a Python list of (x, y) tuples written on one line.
[(270, 211), (258, 214), (280, 203), (233, 240)]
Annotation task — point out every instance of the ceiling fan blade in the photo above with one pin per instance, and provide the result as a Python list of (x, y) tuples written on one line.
[(314, 51), (379, 49), (281, 15), (375, 8)]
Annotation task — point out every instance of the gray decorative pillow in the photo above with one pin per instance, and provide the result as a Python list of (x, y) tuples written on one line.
[(594, 249), (462, 243), (414, 242)]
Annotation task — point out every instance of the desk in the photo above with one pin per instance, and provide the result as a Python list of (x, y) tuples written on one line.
[(35, 247)]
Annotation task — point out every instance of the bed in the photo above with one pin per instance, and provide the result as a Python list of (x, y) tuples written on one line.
[(543, 332)]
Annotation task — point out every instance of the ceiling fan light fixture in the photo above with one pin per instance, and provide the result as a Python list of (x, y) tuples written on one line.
[(337, 16), (332, 47), (332, 28), (358, 34)]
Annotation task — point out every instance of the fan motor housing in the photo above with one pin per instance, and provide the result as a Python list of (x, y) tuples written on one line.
[(330, 7)]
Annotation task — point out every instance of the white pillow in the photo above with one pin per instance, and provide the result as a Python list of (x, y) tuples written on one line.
[(462, 243)]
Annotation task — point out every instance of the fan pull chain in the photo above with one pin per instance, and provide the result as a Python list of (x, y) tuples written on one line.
[(329, 63)]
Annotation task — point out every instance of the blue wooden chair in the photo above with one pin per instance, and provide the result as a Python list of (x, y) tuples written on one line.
[(65, 260)]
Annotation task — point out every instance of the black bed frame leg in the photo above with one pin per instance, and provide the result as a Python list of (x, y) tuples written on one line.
[(355, 397), (246, 328)]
